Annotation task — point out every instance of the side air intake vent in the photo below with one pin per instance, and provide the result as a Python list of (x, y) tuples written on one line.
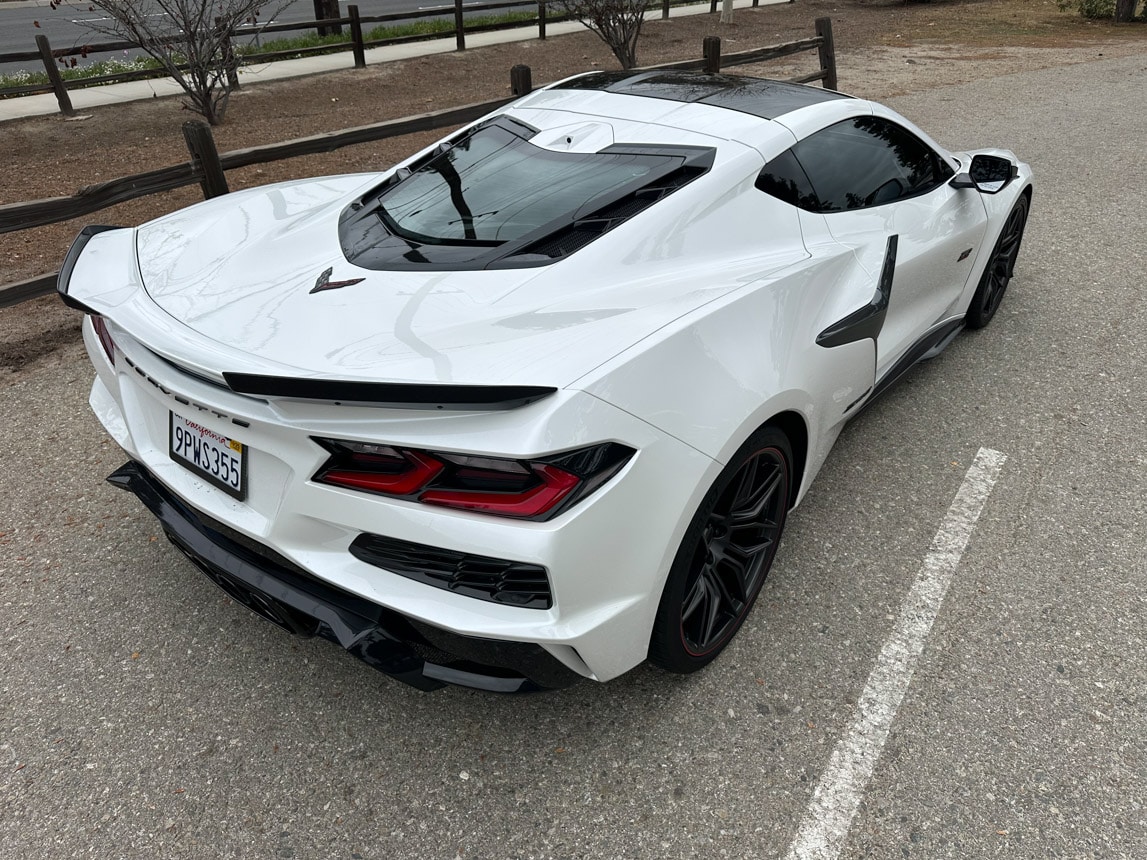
[(584, 230), (494, 579)]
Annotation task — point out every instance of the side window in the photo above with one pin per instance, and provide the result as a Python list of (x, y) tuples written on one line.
[(868, 161), (785, 179)]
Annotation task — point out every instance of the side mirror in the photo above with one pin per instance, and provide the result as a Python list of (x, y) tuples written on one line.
[(987, 173)]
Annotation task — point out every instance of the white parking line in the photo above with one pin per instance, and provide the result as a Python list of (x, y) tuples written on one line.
[(829, 815)]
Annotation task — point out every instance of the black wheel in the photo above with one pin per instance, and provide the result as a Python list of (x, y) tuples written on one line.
[(725, 555), (998, 272)]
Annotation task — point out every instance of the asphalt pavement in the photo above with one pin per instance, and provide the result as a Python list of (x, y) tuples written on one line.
[(143, 715)]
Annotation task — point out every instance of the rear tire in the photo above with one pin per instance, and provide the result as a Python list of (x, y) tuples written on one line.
[(725, 555), (998, 272)]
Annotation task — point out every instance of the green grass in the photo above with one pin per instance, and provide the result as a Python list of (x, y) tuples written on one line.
[(80, 72), (292, 43), (424, 27)]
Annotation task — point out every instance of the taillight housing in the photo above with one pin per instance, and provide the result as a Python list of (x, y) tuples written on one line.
[(534, 489), (100, 326)]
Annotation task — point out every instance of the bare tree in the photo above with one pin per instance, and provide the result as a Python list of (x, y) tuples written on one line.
[(190, 39), (617, 22)]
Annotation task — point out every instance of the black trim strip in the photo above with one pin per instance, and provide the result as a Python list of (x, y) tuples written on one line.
[(929, 346), (854, 403), (868, 320), (73, 255), (394, 395)]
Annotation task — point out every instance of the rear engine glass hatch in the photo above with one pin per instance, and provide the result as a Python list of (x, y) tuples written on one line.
[(489, 198)]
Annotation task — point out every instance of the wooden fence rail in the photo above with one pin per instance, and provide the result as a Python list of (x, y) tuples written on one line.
[(22, 216), (50, 57), (208, 168), (328, 22)]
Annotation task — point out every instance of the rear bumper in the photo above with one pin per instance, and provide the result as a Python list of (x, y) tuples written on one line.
[(279, 591)]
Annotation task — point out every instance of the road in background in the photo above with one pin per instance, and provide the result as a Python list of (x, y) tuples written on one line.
[(144, 715), (69, 26)]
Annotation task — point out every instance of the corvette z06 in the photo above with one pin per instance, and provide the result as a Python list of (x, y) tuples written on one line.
[(533, 405)]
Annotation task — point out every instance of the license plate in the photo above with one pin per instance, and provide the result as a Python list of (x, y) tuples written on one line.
[(210, 455)]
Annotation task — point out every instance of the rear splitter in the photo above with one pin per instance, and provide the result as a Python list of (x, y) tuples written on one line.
[(297, 601)]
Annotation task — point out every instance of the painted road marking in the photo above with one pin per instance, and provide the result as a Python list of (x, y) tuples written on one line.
[(827, 820)]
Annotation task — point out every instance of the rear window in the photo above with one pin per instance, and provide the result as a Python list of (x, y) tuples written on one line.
[(490, 198), (494, 186)]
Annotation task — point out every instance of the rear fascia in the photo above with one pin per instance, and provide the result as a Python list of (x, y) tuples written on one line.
[(606, 584), (290, 598)]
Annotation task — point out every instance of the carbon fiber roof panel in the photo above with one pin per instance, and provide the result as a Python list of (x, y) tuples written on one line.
[(756, 96)]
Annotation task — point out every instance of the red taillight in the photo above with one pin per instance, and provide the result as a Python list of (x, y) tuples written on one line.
[(555, 485), (525, 489), (398, 474), (101, 329)]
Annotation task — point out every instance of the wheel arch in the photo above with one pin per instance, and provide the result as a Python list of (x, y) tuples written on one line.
[(793, 425)]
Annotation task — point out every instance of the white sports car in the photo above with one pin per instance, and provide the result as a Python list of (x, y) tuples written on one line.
[(533, 405)]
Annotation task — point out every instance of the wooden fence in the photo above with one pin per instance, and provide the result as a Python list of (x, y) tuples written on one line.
[(327, 22), (208, 168)]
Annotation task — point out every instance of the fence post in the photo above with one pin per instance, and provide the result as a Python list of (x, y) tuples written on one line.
[(711, 48), (520, 80), (333, 12), (712, 6), (356, 37), (827, 52), (664, 9), (54, 76), (459, 26), (205, 158), (320, 10), (229, 63), (542, 20)]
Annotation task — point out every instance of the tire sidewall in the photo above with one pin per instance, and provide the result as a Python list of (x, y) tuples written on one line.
[(667, 648), (976, 317)]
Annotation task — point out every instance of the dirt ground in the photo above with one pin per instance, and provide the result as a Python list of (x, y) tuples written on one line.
[(883, 49)]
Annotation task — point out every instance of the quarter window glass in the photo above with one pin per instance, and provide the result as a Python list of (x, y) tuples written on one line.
[(785, 179), (867, 161)]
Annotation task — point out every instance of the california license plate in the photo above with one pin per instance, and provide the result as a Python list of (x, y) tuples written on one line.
[(212, 456)]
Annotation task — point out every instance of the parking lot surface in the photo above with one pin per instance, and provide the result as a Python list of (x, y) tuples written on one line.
[(143, 714)]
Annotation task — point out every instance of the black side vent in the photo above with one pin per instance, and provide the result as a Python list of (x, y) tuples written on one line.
[(494, 579), (584, 230)]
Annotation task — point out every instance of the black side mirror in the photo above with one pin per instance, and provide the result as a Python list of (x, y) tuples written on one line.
[(987, 173)]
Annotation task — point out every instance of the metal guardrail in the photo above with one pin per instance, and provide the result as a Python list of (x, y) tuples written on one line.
[(208, 167)]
